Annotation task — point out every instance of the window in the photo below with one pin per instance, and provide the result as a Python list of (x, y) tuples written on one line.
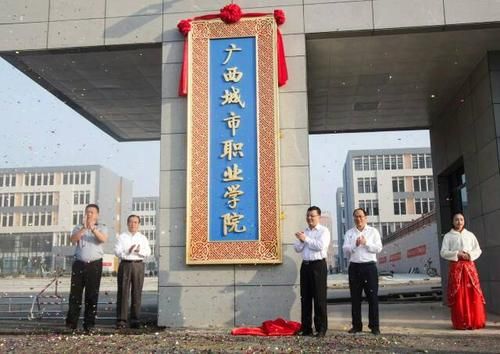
[(7, 200), (398, 184), (399, 160), (371, 206), (7, 220), (399, 207), (421, 161), (380, 162), (373, 162), (424, 205), (358, 164), (423, 184), (77, 217), (7, 180), (367, 185)]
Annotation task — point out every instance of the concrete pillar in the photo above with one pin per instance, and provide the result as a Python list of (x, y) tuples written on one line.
[(468, 135), (230, 295)]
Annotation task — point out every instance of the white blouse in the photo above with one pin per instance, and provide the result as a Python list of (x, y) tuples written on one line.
[(464, 241)]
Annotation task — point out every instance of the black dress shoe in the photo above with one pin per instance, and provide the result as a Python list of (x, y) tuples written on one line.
[(320, 334), (305, 333), (376, 332), (354, 330), (121, 325)]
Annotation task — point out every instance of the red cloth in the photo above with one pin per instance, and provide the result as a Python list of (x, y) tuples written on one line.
[(282, 68), (465, 296), (277, 327)]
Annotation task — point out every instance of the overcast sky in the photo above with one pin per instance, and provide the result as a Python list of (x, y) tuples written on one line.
[(39, 130)]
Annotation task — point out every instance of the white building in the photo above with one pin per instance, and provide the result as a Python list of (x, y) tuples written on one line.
[(395, 187), (147, 209), (39, 207)]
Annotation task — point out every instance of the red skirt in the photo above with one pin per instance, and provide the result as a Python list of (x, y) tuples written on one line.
[(465, 296)]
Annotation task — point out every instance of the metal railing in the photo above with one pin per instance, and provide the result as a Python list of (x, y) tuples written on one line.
[(47, 303)]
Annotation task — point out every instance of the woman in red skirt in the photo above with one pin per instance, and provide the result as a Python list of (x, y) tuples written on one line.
[(465, 296)]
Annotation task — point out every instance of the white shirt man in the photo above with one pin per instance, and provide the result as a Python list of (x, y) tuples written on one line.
[(361, 245), (132, 248), (313, 244)]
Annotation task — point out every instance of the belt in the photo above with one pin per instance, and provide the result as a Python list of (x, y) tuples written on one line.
[(363, 263), (130, 261), (311, 262), (88, 262)]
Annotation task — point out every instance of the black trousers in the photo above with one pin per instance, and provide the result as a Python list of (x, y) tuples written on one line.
[(364, 277), (84, 276), (130, 282), (313, 289)]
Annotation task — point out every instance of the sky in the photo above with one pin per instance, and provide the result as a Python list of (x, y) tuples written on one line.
[(37, 129)]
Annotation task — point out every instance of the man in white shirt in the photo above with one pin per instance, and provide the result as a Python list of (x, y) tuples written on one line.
[(132, 248), (361, 245), (313, 244)]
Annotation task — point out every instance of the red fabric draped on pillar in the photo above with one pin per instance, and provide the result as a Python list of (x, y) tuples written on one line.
[(231, 14), (465, 296)]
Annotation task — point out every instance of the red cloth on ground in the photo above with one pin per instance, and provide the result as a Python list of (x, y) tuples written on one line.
[(465, 296), (277, 327)]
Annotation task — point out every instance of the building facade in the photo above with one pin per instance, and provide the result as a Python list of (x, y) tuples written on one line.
[(353, 66), (39, 207), (394, 186), (147, 209)]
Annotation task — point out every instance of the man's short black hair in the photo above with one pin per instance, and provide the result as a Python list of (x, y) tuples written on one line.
[(362, 209), (314, 208), (92, 206), (133, 216)]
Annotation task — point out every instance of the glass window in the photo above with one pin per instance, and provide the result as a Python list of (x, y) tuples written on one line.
[(399, 162), (399, 207), (357, 164)]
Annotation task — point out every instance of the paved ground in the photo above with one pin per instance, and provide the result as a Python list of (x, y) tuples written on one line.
[(417, 327)]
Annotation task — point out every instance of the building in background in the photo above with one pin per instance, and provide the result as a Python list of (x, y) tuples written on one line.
[(331, 257), (39, 207), (147, 208), (395, 187)]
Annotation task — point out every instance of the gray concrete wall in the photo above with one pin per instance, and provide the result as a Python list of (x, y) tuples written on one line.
[(40, 24), (470, 130)]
